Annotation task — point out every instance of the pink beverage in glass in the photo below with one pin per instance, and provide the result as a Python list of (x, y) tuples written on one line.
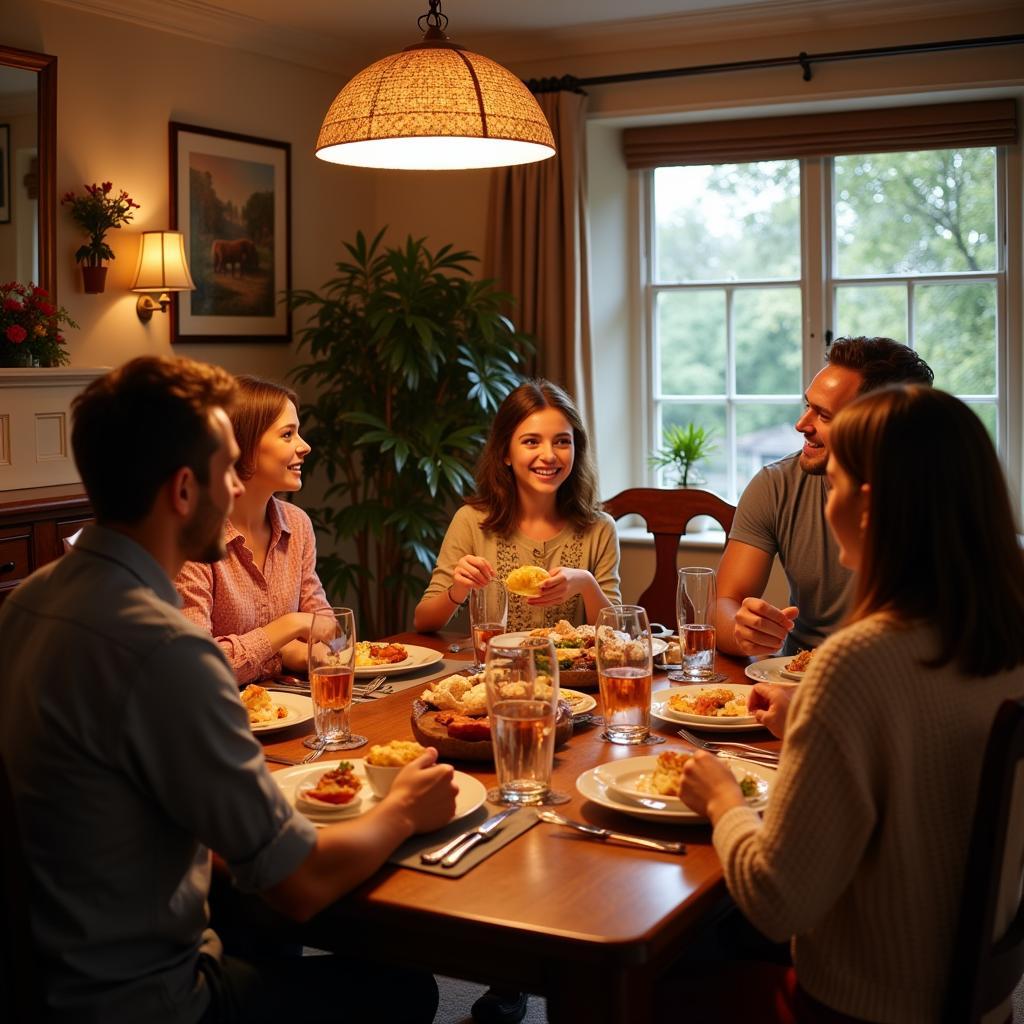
[(331, 690), (697, 644), (626, 702), (482, 632)]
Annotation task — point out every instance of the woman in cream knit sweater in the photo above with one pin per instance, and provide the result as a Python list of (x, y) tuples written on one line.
[(860, 857)]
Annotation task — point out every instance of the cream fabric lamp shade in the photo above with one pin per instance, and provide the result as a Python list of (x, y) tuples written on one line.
[(162, 265), (435, 106)]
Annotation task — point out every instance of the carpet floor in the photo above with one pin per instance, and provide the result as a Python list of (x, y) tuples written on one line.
[(458, 996)]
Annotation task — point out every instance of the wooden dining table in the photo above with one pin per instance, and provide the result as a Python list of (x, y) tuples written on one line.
[(589, 925)]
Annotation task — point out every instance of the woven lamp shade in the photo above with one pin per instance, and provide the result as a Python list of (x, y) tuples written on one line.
[(435, 106)]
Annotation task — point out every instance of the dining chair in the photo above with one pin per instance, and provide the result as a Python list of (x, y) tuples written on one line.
[(988, 949), (666, 511), (20, 984)]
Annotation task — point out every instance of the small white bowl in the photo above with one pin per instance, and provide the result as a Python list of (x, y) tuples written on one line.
[(380, 777)]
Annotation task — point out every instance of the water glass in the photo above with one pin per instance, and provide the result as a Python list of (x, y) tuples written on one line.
[(332, 670), (624, 673), (488, 617), (521, 675), (696, 597)]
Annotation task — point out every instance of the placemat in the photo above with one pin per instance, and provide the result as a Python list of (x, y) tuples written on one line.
[(408, 854), (421, 676)]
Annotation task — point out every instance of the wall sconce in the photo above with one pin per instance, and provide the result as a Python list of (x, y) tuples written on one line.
[(162, 268)]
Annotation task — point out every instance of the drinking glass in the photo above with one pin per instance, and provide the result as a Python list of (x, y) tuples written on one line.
[(521, 675), (696, 595), (488, 617), (332, 669), (624, 674)]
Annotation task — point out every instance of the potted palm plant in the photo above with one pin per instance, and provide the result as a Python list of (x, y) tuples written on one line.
[(410, 358), (97, 212), (683, 448)]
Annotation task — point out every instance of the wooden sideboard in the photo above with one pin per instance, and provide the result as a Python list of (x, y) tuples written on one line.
[(33, 524)]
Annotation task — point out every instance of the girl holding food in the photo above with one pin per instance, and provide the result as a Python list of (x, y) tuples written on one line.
[(535, 521), (256, 600), (884, 734)]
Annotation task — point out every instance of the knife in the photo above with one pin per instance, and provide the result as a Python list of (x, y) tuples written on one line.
[(605, 834), (452, 852)]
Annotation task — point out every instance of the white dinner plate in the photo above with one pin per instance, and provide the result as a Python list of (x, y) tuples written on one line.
[(471, 794), (300, 709), (582, 703), (419, 657), (611, 786), (773, 670), (658, 646), (660, 707)]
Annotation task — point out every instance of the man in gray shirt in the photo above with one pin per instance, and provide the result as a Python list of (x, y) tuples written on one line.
[(130, 756), (782, 512)]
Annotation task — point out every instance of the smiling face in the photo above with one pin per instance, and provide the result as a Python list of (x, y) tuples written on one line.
[(832, 388), (847, 513), (281, 453), (541, 452)]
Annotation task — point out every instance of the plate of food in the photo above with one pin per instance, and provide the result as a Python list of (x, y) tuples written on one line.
[(451, 715), (270, 710), (718, 707), (579, 703), (784, 669), (328, 792), (383, 659), (669, 656), (648, 787)]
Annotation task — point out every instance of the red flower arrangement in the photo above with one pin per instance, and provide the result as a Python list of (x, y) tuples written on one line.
[(96, 213), (30, 327)]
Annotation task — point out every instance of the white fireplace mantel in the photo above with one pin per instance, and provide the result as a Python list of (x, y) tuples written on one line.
[(35, 424)]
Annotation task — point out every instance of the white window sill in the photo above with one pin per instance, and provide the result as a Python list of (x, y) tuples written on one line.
[(637, 536)]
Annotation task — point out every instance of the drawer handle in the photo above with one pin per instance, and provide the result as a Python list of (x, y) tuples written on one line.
[(6, 567)]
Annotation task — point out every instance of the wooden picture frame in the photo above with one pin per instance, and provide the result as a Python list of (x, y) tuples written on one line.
[(5, 174), (231, 197)]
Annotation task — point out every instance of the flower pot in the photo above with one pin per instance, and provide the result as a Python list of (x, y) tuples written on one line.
[(95, 279), (20, 357)]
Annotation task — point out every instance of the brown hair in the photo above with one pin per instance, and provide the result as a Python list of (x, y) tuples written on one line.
[(137, 425), (259, 403), (879, 361), (496, 494), (940, 544)]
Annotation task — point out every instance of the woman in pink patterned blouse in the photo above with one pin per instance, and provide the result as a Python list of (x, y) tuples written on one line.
[(256, 600)]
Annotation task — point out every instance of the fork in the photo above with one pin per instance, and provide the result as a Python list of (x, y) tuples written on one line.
[(374, 684), (742, 749), (314, 753)]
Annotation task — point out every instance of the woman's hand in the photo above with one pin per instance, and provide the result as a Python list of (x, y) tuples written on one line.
[(769, 704), (709, 787), (295, 656), (562, 584), (471, 572)]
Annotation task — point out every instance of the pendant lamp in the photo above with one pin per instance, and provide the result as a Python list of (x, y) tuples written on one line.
[(434, 106)]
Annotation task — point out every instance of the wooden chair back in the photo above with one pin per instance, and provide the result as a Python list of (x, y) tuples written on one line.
[(986, 967), (666, 511), (20, 986)]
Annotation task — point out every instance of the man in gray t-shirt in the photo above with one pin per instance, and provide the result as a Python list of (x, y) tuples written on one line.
[(130, 756), (782, 512)]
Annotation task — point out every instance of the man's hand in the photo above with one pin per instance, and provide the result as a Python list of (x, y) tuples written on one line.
[(426, 791), (769, 704), (709, 787), (760, 627)]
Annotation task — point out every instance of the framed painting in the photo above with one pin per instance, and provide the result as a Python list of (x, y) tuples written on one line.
[(5, 174), (231, 198)]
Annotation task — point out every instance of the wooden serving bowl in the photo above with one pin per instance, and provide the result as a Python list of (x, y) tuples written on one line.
[(428, 732)]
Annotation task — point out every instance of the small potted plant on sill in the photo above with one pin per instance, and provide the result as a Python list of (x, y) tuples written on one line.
[(31, 327), (96, 212), (683, 448)]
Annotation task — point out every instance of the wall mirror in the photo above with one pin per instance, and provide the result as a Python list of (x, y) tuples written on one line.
[(28, 196)]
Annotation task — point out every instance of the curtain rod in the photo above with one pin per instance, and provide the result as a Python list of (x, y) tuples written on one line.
[(803, 60)]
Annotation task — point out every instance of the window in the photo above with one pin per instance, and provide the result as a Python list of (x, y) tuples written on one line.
[(745, 276)]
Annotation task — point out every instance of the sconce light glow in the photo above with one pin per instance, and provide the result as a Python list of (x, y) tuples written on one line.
[(162, 268)]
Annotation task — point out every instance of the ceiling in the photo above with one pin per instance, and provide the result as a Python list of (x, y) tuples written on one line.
[(342, 35)]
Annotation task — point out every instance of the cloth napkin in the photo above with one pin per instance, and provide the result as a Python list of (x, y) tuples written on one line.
[(408, 854)]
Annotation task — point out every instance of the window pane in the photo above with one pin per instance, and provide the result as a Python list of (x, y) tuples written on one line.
[(987, 414), (915, 213), (691, 342), (711, 473), (766, 328), (955, 332), (764, 433), (727, 222), (871, 311)]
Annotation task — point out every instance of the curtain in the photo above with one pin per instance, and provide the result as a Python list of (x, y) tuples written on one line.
[(537, 250)]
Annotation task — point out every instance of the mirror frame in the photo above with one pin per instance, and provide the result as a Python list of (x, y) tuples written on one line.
[(45, 67)]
